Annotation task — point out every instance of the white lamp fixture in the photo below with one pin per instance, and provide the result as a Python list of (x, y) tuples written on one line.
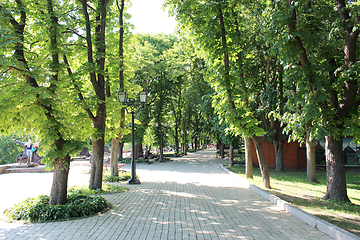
[(122, 97), (143, 97)]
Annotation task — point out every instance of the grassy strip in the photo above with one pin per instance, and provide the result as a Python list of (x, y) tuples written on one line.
[(139, 160), (292, 187), (106, 189), (123, 176)]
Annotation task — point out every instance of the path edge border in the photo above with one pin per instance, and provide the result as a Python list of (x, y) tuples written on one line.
[(322, 225)]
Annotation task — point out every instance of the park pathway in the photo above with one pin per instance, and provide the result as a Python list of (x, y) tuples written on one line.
[(187, 198)]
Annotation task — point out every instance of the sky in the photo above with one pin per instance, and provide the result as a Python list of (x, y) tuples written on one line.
[(148, 17)]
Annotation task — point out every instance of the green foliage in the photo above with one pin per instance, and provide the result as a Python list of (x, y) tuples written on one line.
[(38, 96), (181, 153), (8, 149), (112, 188), (125, 160), (123, 176), (39, 210), (106, 188), (142, 160), (165, 158), (128, 160)]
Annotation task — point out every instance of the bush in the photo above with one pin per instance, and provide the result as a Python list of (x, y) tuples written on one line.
[(180, 153), (165, 159), (123, 176), (128, 160), (39, 210), (142, 160), (125, 160), (167, 155)]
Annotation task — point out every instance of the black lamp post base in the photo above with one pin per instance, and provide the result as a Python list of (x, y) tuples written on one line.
[(134, 181)]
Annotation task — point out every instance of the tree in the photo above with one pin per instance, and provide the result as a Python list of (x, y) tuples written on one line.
[(96, 63), (323, 58), (154, 75), (34, 79), (213, 25), (338, 107), (115, 141), (344, 102)]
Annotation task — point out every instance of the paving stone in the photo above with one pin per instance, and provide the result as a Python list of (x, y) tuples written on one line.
[(188, 198)]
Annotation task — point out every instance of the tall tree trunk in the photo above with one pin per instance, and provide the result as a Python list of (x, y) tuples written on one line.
[(311, 159), (262, 161), (335, 170), (185, 143), (138, 150), (121, 150), (58, 193), (222, 150), (115, 142), (278, 141), (247, 140), (231, 156), (279, 156), (98, 83), (97, 161), (98, 146), (196, 142), (114, 170), (176, 144), (248, 157)]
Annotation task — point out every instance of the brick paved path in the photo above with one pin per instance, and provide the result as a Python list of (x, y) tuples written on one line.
[(188, 198)]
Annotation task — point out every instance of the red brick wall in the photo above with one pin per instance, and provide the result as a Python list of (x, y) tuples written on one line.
[(292, 152)]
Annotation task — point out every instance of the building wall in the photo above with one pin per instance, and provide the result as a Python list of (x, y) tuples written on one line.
[(294, 155)]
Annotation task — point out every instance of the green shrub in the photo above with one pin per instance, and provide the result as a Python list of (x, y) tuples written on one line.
[(142, 160), (239, 162), (180, 153), (125, 160), (123, 176), (128, 160), (39, 210), (168, 155), (165, 159)]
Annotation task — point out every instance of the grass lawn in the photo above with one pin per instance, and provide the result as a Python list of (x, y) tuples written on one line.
[(106, 189), (292, 187)]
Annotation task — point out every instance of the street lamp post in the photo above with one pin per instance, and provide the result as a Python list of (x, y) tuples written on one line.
[(123, 99), (157, 125)]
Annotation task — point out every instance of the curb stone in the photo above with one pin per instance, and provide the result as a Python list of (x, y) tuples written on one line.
[(322, 225)]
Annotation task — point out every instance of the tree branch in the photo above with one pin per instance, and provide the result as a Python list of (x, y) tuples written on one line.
[(76, 86)]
